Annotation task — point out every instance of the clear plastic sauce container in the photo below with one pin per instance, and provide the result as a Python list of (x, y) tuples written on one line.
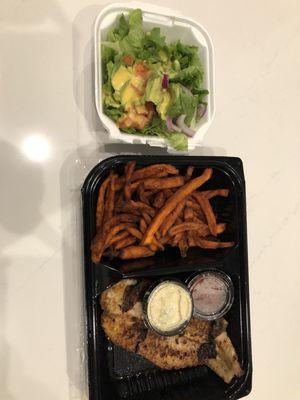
[(168, 307), (212, 293)]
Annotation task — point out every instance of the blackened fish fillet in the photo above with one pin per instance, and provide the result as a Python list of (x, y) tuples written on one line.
[(202, 342)]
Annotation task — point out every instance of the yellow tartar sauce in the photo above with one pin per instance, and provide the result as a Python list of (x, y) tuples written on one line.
[(169, 306)]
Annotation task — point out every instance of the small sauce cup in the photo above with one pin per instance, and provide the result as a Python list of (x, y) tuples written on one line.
[(212, 292), (167, 307)]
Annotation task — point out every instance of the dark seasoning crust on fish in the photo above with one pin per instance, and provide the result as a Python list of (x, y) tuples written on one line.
[(202, 342)]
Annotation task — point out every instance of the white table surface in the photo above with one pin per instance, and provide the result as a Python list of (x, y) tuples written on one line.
[(48, 128)]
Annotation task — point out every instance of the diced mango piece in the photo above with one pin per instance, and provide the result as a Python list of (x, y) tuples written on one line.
[(162, 108), (129, 95), (120, 77)]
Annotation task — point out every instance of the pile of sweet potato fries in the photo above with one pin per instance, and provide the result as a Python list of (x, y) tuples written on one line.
[(149, 208)]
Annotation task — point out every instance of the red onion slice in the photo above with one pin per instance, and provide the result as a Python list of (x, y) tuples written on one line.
[(169, 123), (171, 126), (165, 81), (201, 110), (183, 127)]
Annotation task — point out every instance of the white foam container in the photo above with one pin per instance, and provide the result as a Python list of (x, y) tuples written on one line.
[(174, 27)]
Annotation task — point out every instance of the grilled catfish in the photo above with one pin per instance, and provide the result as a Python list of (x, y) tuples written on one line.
[(202, 342)]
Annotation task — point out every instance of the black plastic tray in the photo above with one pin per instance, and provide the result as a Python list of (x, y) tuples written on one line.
[(115, 373)]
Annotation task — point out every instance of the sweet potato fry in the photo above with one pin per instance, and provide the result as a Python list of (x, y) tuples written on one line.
[(204, 231), (188, 213), (209, 214), (135, 232), (146, 217), (196, 208), (128, 241), (159, 200), (194, 205), (110, 199), (135, 183), (143, 225), (157, 236), (120, 236), (100, 204), (153, 170), (165, 239), (119, 200), (128, 174), (134, 186), (120, 218), (213, 193), (129, 169), (188, 226), (168, 193), (125, 208), (120, 185), (170, 220), (138, 205), (177, 239), (97, 247), (149, 193), (188, 217), (210, 244), (221, 228), (181, 194), (153, 247), (209, 194), (164, 183), (114, 230), (101, 241), (189, 173), (183, 246), (135, 252), (141, 193), (158, 244)]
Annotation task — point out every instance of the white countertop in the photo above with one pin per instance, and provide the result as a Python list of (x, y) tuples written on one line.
[(48, 127)]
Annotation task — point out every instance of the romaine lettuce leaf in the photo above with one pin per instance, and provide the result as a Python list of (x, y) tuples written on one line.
[(201, 94), (133, 41), (182, 102), (177, 140), (152, 46), (112, 106), (154, 38), (112, 112), (108, 55), (189, 71), (107, 73), (191, 77), (120, 31), (158, 127)]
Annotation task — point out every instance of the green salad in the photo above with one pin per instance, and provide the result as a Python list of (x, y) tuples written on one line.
[(151, 87)]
